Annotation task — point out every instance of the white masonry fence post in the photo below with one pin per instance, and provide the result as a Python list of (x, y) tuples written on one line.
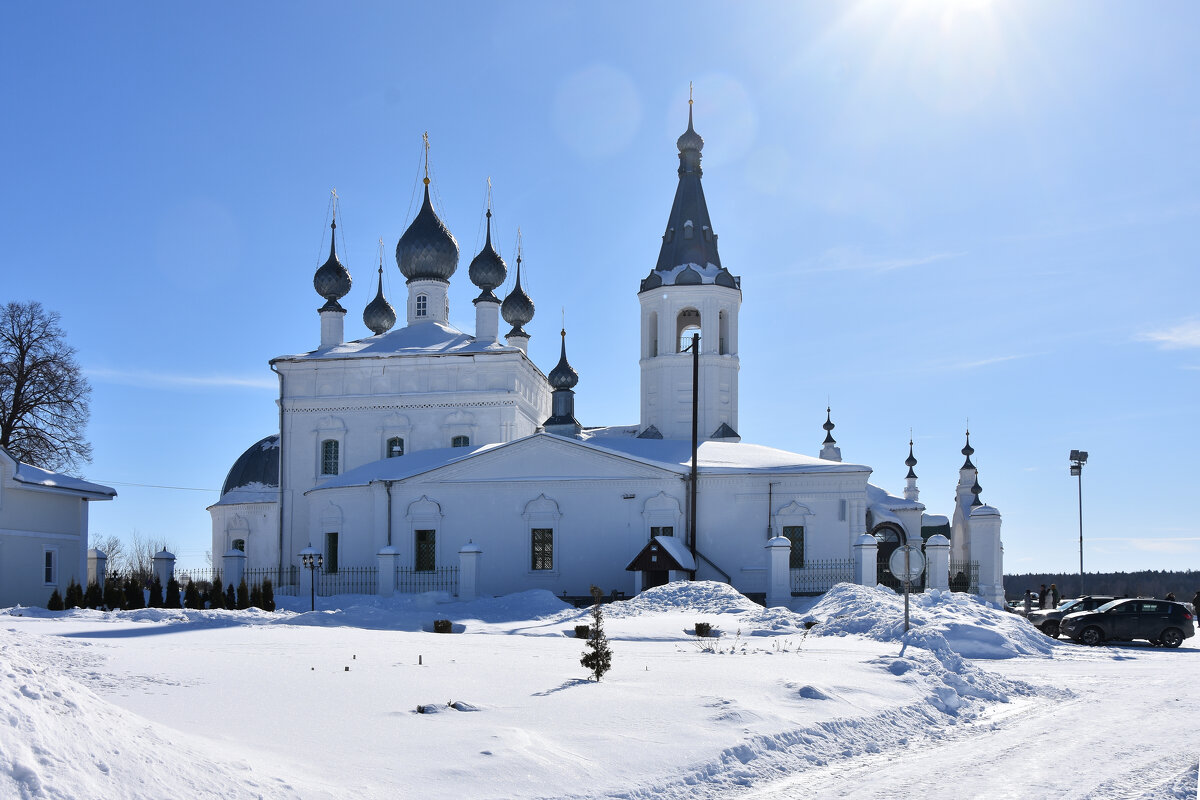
[(97, 567), (164, 567), (779, 574), (937, 563), (387, 558), (866, 551), (234, 567), (468, 571)]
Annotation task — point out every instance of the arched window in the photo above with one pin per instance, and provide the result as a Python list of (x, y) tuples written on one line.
[(395, 447), (460, 441), (422, 305), (239, 544), (723, 332), (329, 457), (686, 324), (653, 323)]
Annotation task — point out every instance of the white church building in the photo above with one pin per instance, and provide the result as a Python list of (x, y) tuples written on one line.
[(446, 459)]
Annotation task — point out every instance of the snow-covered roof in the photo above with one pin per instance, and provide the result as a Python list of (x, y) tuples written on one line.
[(934, 520), (417, 339), (712, 458), (55, 481), (886, 500), (678, 551), (250, 493)]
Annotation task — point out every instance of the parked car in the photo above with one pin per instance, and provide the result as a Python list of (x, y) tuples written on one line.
[(1047, 619), (1160, 622)]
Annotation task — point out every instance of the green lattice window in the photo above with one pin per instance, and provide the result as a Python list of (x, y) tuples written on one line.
[(795, 534), (426, 559)]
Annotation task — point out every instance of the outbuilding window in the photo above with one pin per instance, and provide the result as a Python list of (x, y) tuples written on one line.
[(51, 566), (542, 548)]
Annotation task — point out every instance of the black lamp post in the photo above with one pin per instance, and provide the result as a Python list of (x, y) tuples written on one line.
[(1078, 459), (313, 561)]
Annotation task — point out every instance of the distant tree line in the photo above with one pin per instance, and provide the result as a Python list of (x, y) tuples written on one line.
[(1146, 583)]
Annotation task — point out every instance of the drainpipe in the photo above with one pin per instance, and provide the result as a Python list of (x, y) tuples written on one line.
[(695, 442), (388, 484), (281, 470)]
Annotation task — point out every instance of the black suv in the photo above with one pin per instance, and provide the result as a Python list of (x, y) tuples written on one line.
[(1161, 622), (1047, 619)]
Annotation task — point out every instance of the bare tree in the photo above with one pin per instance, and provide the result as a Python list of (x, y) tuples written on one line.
[(114, 548), (43, 394), (139, 558)]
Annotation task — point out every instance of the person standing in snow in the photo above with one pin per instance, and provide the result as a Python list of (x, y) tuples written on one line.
[(1196, 602), (1028, 601), (1042, 596), (1054, 598), (1170, 596)]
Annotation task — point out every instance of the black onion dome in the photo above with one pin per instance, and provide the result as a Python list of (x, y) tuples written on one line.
[(332, 280), (379, 316), (517, 308), (488, 269), (967, 451), (975, 490), (427, 250), (563, 376), (829, 426), (258, 466), (689, 139), (911, 461)]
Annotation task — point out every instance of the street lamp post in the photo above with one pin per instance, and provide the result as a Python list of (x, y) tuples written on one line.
[(1078, 459), (313, 561)]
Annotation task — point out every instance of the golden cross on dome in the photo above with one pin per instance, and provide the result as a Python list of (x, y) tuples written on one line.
[(425, 139), (689, 93)]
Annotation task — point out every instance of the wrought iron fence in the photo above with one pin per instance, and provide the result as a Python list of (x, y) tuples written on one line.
[(347, 580), (819, 576), (284, 580), (964, 576), (439, 579)]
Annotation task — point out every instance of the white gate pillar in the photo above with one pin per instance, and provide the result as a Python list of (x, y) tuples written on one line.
[(866, 552), (233, 564), (164, 567), (97, 567), (984, 525), (779, 584), (387, 559), (468, 571), (937, 563)]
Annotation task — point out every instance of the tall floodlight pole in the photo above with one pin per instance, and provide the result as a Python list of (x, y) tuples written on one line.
[(1078, 459)]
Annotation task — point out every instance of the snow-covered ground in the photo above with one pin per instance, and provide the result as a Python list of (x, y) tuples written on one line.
[(972, 703)]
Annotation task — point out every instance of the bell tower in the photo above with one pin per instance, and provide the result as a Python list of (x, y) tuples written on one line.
[(689, 292)]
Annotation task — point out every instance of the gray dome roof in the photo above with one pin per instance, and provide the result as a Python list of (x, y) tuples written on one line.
[(517, 308), (258, 465), (488, 269), (563, 376), (379, 316), (332, 280), (689, 139), (427, 250)]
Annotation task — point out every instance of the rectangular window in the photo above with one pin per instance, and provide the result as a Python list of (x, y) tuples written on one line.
[(426, 558), (422, 305), (329, 457), (460, 441), (51, 574), (331, 552), (395, 447), (542, 546), (842, 510), (239, 544), (795, 534), (665, 530)]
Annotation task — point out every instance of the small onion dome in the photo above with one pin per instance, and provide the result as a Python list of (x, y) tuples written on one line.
[(911, 461), (975, 490), (427, 250), (379, 316), (829, 426), (332, 280), (488, 269), (563, 376), (967, 451), (517, 308), (689, 139)]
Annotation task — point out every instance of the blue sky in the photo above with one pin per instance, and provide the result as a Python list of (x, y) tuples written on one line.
[(939, 210)]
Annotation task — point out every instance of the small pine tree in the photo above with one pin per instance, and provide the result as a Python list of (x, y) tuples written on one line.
[(134, 597), (216, 597), (114, 593), (191, 596), (231, 597), (243, 596), (156, 593), (268, 595), (56, 601), (74, 596), (598, 656), (172, 598), (94, 596), (256, 600)]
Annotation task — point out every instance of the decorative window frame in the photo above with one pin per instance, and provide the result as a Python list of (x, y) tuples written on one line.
[(543, 512), (394, 425), (662, 511), (236, 528), (424, 514), (793, 515), (328, 429), (459, 423)]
